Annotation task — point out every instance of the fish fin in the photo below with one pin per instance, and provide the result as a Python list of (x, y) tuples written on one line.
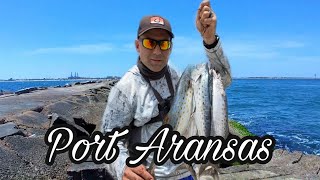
[(214, 74), (202, 168), (210, 173), (151, 168), (192, 171)]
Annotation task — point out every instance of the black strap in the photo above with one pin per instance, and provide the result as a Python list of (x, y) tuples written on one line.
[(162, 103), (169, 82), (163, 110), (156, 93)]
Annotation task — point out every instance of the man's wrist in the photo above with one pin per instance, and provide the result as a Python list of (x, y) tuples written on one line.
[(213, 45)]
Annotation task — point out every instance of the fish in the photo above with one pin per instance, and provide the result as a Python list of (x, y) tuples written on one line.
[(219, 108), (199, 108), (200, 75), (182, 107), (210, 116)]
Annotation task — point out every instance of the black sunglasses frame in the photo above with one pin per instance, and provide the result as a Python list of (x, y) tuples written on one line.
[(157, 43)]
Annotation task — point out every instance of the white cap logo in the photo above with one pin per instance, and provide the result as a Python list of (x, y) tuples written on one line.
[(156, 20)]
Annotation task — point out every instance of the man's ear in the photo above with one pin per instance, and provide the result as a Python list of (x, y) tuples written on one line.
[(136, 43)]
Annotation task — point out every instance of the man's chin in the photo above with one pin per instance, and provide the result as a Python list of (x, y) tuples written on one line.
[(157, 68)]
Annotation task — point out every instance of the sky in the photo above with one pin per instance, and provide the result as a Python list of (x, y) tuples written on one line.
[(51, 39)]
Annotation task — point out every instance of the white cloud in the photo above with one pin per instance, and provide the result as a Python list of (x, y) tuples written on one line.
[(76, 49), (289, 44), (249, 50), (186, 46), (128, 47), (261, 49)]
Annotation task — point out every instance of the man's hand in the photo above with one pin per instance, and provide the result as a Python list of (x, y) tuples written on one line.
[(136, 173), (206, 22)]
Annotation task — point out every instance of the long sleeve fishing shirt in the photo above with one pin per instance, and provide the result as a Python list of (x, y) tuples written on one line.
[(132, 99)]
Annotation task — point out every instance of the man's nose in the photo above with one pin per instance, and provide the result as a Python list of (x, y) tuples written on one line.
[(157, 50)]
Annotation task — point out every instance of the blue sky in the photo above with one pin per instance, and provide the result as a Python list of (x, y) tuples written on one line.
[(51, 39)]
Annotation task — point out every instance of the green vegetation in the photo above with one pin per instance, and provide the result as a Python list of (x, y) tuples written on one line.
[(239, 129)]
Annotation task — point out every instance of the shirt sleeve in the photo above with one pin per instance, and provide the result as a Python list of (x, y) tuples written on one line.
[(220, 63), (117, 114)]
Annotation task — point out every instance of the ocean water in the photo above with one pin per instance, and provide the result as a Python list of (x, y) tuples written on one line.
[(13, 86), (287, 109)]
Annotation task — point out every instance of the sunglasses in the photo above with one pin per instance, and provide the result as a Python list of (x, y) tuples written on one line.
[(151, 44)]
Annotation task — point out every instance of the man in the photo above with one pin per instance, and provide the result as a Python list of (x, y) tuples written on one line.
[(142, 97)]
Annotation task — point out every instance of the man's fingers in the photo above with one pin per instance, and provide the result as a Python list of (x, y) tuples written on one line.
[(204, 3), (131, 175), (142, 171), (208, 21), (205, 9), (206, 15)]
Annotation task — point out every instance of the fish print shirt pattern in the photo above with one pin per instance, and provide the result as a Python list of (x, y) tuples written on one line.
[(132, 98)]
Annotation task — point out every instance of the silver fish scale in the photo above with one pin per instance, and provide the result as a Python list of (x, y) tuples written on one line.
[(181, 108), (202, 100), (219, 111)]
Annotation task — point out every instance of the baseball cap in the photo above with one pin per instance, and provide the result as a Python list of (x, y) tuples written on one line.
[(154, 22)]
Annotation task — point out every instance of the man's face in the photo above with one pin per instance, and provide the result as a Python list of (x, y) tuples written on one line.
[(155, 59)]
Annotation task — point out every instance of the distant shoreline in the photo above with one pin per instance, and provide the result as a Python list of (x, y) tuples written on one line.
[(280, 78), (59, 79)]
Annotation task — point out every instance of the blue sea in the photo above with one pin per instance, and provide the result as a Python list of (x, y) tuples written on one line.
[(13, 86), (288, 109)]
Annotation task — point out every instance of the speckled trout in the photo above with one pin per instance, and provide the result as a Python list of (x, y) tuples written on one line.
[(182, 107), (219, 108), (199, 108), (210, 116)]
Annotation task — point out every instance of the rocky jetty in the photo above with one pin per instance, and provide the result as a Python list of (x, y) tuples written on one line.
[(25, 118)]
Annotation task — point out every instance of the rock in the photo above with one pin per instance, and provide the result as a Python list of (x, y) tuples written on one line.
[(94, 91), (2, 120), (26, 90), (254, 174), (67, 85), (87, 82), (30, 119), (42, 88), (31, 154), (87, 126), (59, 120), (12, 166), (61, 107), (9, 129), (76, 83), (37, 109), (283, 165), (2, 92)]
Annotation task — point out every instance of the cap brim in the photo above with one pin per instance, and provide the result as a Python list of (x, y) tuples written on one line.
[(170, 33)]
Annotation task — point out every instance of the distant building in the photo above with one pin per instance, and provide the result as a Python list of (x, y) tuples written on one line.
[(75, 76)]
